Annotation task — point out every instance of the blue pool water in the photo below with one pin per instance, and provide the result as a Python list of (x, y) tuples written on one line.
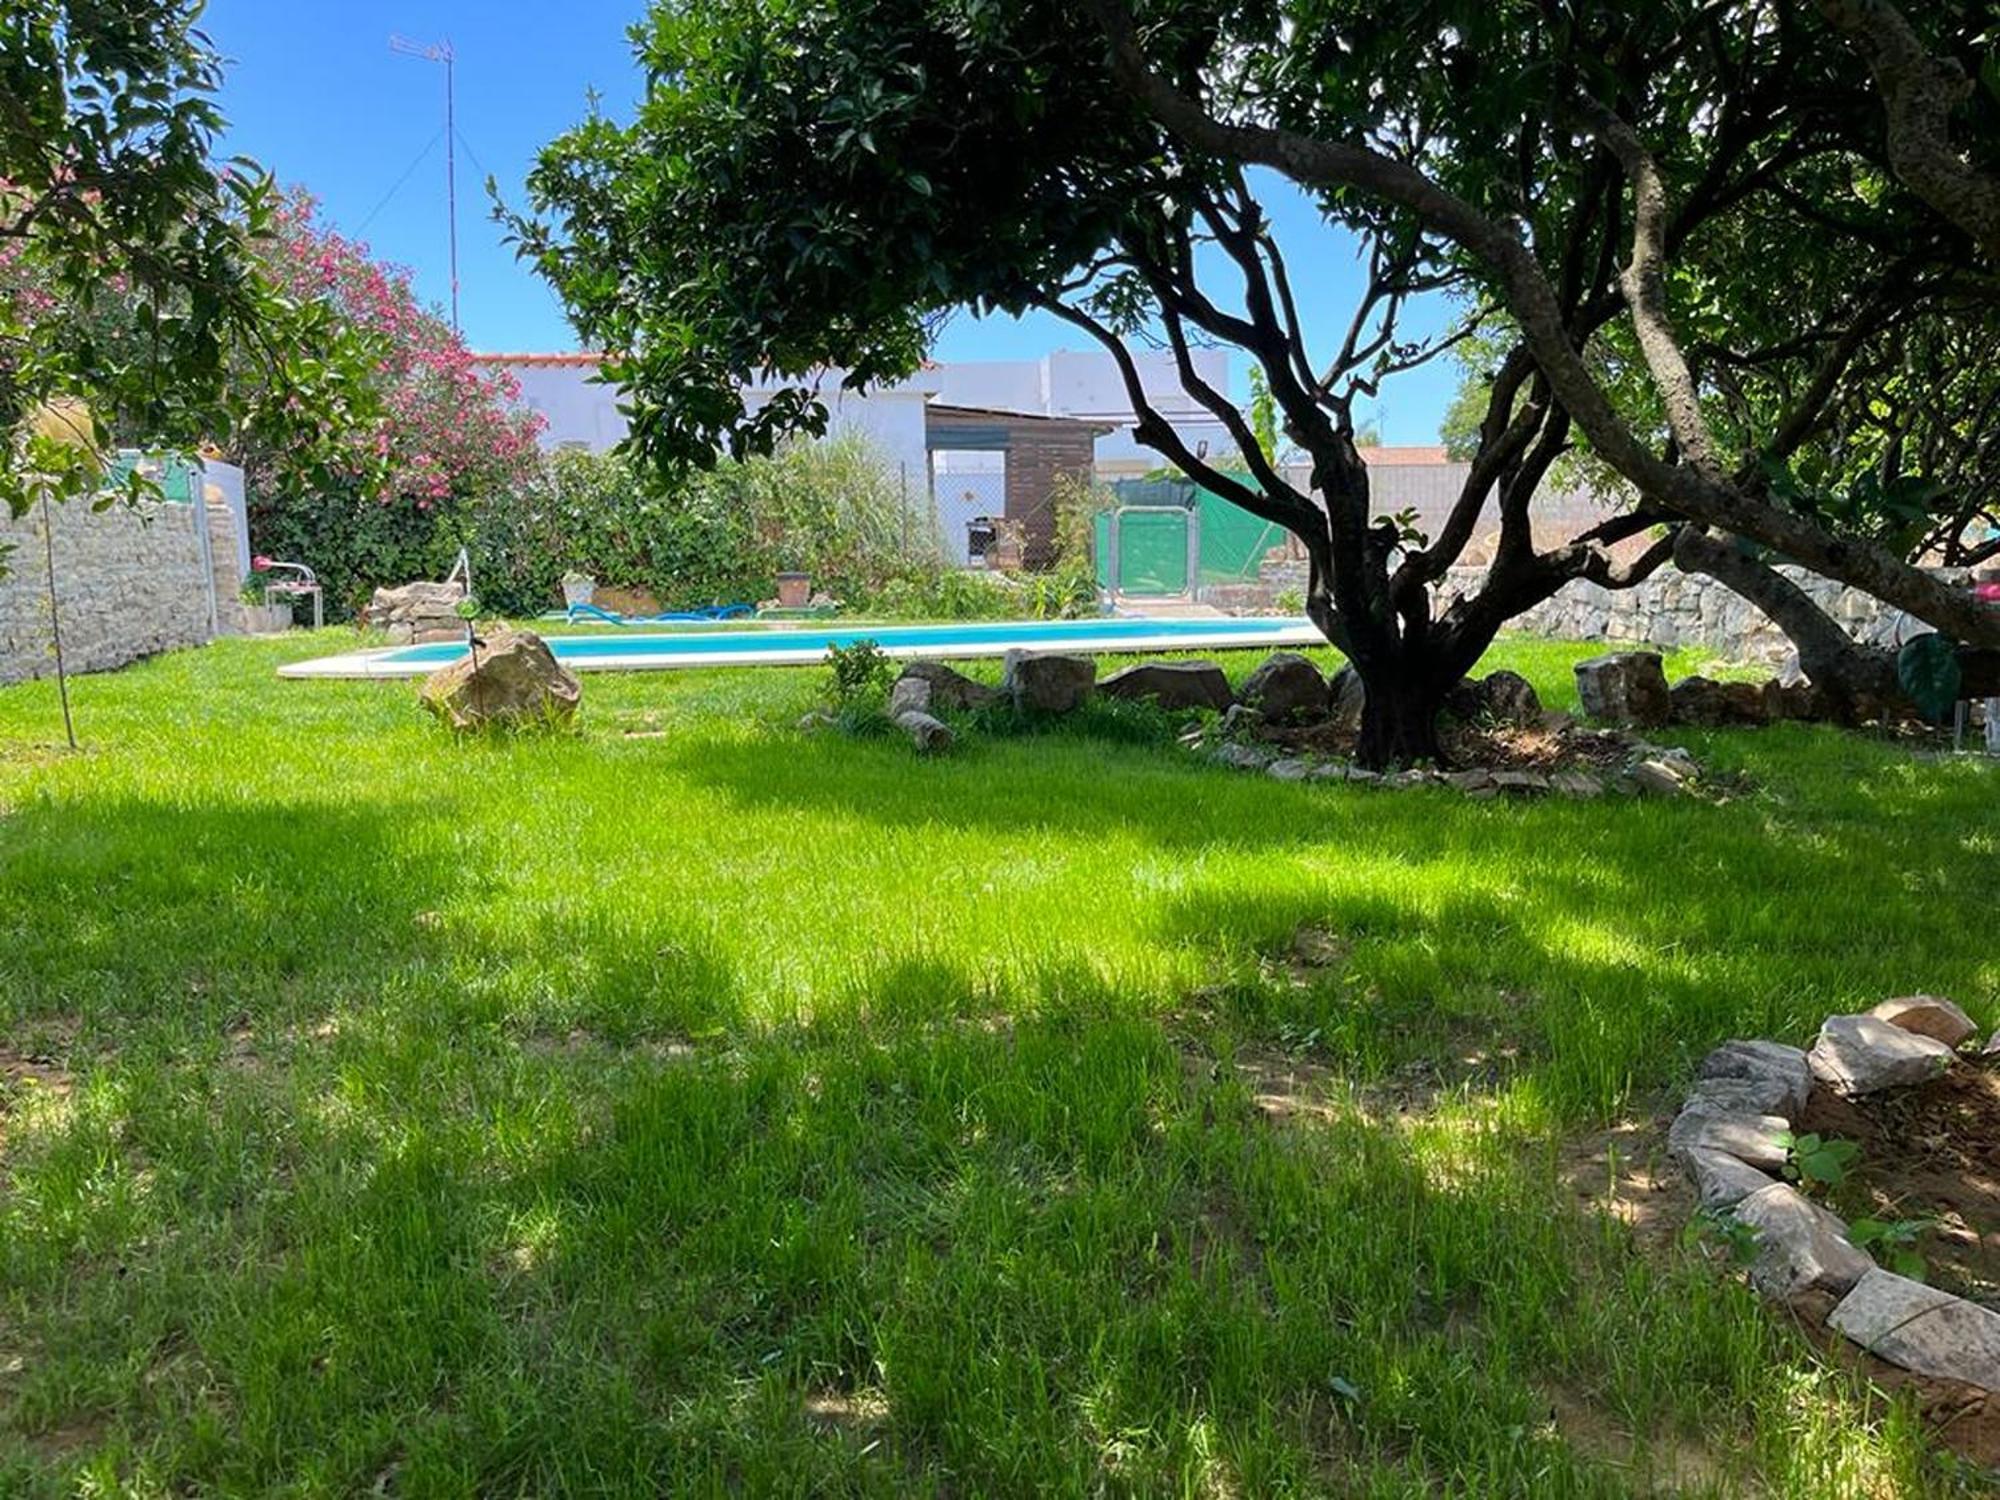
[(693, 645)]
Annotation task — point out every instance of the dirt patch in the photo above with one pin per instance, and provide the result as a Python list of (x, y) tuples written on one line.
[(1662, 1463), (1928, 1153), (1557, 743), (1623, 1170), (33, 1073)]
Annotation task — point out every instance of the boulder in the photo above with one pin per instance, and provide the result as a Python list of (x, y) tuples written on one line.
[(1347, 695), (910, 695), (1576, 784), (1285, 687), (1624, 687), (1863, 1055), (1660, 778), (1928, 1015), (1762, 1059), (1798, 700), (1289, 770), (930, 735), (1721, 1180), (1497, 698), (1922, 1328), (1759, 1140), (1473, 779), (949, 688), (510, 680), (1756, 1096), (1048, 683), (1800, 1246), (1707, 703), (417, 612), (1244, 757), (1520, 783), (1172, 684)]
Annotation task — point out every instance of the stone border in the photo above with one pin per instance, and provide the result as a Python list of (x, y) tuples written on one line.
[(1732, 1138), (1647, 770)]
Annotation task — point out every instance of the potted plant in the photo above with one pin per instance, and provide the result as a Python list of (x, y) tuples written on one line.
[(578, 588), (260, 615), (794, 590)]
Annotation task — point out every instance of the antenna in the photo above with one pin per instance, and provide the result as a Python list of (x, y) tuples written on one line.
[(440, 52)]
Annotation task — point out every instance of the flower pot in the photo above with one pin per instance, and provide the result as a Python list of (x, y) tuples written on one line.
[(578, 591), (794, 590)]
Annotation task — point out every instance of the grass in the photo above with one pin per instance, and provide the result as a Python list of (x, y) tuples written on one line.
[(692, 1106)]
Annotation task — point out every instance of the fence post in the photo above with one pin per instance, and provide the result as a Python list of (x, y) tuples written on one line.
[(1117, 568)]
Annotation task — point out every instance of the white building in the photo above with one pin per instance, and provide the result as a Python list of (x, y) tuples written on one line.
[(579, 411), (1087, 386)]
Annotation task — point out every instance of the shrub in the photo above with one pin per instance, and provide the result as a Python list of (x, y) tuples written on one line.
[(720, 537)]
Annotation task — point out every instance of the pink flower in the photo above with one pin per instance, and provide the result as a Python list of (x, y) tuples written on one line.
[(260, 562)]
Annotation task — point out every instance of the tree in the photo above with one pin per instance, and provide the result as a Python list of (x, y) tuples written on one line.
[(385, 495), (811, 186), (126, 284)]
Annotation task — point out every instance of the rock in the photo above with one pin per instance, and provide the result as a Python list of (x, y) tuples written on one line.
[(1703, 701), (1762, 1059), (1047, 683), (1922, 1329), (1863, 1055), (1520, 783), (1244, 757), (1721, 1180), (1172, 684), (1794, 700), (1624, 687), (815, 719), (1992, 1047), (1241, 718), (1348, 696), (1576, 784), (1414, 776), (418, 612), (1498, 697), (931, 736), (1472, 780), (1289, 770), (1928, 1015), (1768, 1095), (909, 695), (1800, 1246), (949, 688), (1760, 1140), (511, 680), (1659, 778), (1285, 687)]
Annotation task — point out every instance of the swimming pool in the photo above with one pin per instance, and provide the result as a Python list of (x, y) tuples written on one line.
[(793, 646)]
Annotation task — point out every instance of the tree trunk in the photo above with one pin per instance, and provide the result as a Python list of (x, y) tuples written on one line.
[(1848, 672), (1399, 720)]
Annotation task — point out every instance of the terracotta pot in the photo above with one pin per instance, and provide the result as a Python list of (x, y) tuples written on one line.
[(794, 590)]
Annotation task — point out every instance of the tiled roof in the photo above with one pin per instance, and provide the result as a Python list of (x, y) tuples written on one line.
[(541, 360), (1397, 458)]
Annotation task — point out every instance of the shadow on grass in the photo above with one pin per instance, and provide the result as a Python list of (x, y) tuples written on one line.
[(198, 911)]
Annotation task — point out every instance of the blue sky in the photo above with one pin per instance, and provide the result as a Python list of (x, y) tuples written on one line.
[(315, 94)]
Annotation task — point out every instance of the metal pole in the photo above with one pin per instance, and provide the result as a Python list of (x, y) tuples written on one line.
[(451, 176)]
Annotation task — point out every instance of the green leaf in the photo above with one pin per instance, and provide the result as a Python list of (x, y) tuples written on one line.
[(1927, 669)]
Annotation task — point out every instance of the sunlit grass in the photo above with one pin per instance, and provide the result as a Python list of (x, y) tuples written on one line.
[(726, 1109)]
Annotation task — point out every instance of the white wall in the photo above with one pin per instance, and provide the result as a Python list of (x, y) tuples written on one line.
[(1088, 385)]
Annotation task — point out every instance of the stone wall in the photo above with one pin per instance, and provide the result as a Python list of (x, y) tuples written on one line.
[(1673, 608), (1669, 609), (130, 580)]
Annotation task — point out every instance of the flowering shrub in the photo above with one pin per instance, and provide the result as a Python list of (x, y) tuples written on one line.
[(389, 504)]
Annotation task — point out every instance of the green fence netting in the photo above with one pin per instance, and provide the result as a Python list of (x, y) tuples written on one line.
[(1152, 558)]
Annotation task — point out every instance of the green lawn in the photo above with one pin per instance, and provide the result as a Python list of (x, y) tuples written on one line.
[(694, 1107)]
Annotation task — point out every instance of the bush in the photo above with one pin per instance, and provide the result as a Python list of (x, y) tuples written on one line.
[(721, 537)]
